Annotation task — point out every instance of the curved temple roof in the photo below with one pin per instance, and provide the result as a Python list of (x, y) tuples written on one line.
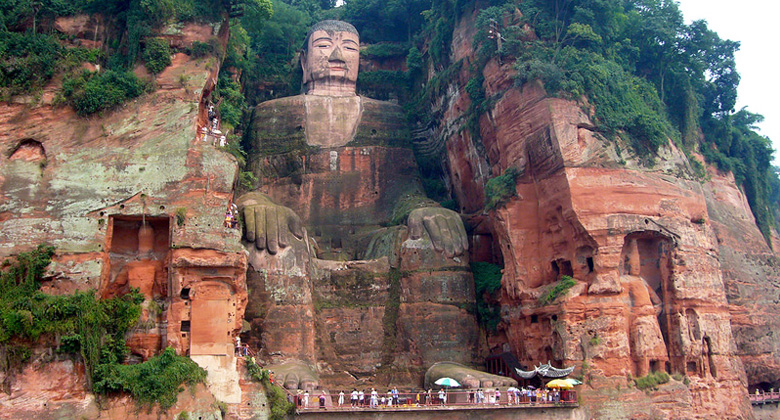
[(546, 370)]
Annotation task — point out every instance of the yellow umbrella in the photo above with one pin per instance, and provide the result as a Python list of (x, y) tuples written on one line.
[(559, 383)]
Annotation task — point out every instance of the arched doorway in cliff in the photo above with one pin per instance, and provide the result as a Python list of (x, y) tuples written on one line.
[(29, 150), (584, 259), (646, 267)]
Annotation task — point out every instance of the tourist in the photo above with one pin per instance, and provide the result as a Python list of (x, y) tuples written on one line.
[(471, 396), (353, 398), (341, 398), (212, 113), (374, 398), (306, 399), (395, 396), (480, 396), (442, 397), (361, 398), (389, 397), (429, 397), (417, 399), (228, 222), (322, 400), (498, 396)]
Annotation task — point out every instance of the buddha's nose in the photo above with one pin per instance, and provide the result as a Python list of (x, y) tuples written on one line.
[(336, 55)]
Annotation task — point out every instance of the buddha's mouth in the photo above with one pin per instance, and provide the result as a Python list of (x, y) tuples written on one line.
[(337, 65)]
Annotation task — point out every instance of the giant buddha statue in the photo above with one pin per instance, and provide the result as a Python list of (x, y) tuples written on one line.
[(340, 189)]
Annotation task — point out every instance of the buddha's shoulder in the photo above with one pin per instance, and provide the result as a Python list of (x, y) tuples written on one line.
[(375, 104), (282, 104), (382, 115)]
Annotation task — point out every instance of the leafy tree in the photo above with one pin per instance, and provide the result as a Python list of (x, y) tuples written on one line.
[(487, 282)]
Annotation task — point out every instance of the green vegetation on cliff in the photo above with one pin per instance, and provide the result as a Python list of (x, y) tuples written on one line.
[(487, 282), (277, 400), (646, 75), (558, 289), (91, 92), (156, 381), (81, 324), (501, 188)]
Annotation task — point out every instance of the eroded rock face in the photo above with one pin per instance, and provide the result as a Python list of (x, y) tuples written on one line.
[(649, 293), (130, 199), (751, 275), (55, 390)]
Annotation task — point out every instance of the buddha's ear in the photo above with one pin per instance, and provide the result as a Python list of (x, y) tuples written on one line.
[(306, 74)]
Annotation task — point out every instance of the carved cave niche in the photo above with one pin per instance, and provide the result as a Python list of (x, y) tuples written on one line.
[(137, 247), (484, 247), (127, 238), (648, 255), (762, 386), (561, 267), (28, 150), (584, 260)]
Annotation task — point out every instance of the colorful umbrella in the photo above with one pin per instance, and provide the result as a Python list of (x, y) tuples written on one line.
[(448, 382), (573, 381), (559, 383)]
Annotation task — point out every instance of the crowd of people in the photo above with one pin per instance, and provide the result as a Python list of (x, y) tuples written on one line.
[(211, 131), (374, 399)]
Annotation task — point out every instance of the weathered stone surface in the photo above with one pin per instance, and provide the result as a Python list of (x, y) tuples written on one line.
[(751, 274), (131, 198), (55, 390), (649, 293)]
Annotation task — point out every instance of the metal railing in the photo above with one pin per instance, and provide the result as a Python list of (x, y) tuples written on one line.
[(423, 401), (765, 398)]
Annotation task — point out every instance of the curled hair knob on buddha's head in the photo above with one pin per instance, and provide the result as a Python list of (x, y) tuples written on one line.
[(330, 59)]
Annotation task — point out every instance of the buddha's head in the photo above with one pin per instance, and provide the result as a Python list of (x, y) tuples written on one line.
[(330, 58)]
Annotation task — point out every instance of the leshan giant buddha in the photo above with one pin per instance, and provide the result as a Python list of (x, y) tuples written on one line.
[(338, 183)]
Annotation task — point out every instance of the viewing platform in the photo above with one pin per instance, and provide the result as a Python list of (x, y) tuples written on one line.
[(459, 406), (765, 398)]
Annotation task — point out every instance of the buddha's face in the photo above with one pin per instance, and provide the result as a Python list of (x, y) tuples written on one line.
[(331, 61)]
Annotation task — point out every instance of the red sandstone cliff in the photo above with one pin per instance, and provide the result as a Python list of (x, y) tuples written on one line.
[(129, 198), (654, 291), (671, 274)]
